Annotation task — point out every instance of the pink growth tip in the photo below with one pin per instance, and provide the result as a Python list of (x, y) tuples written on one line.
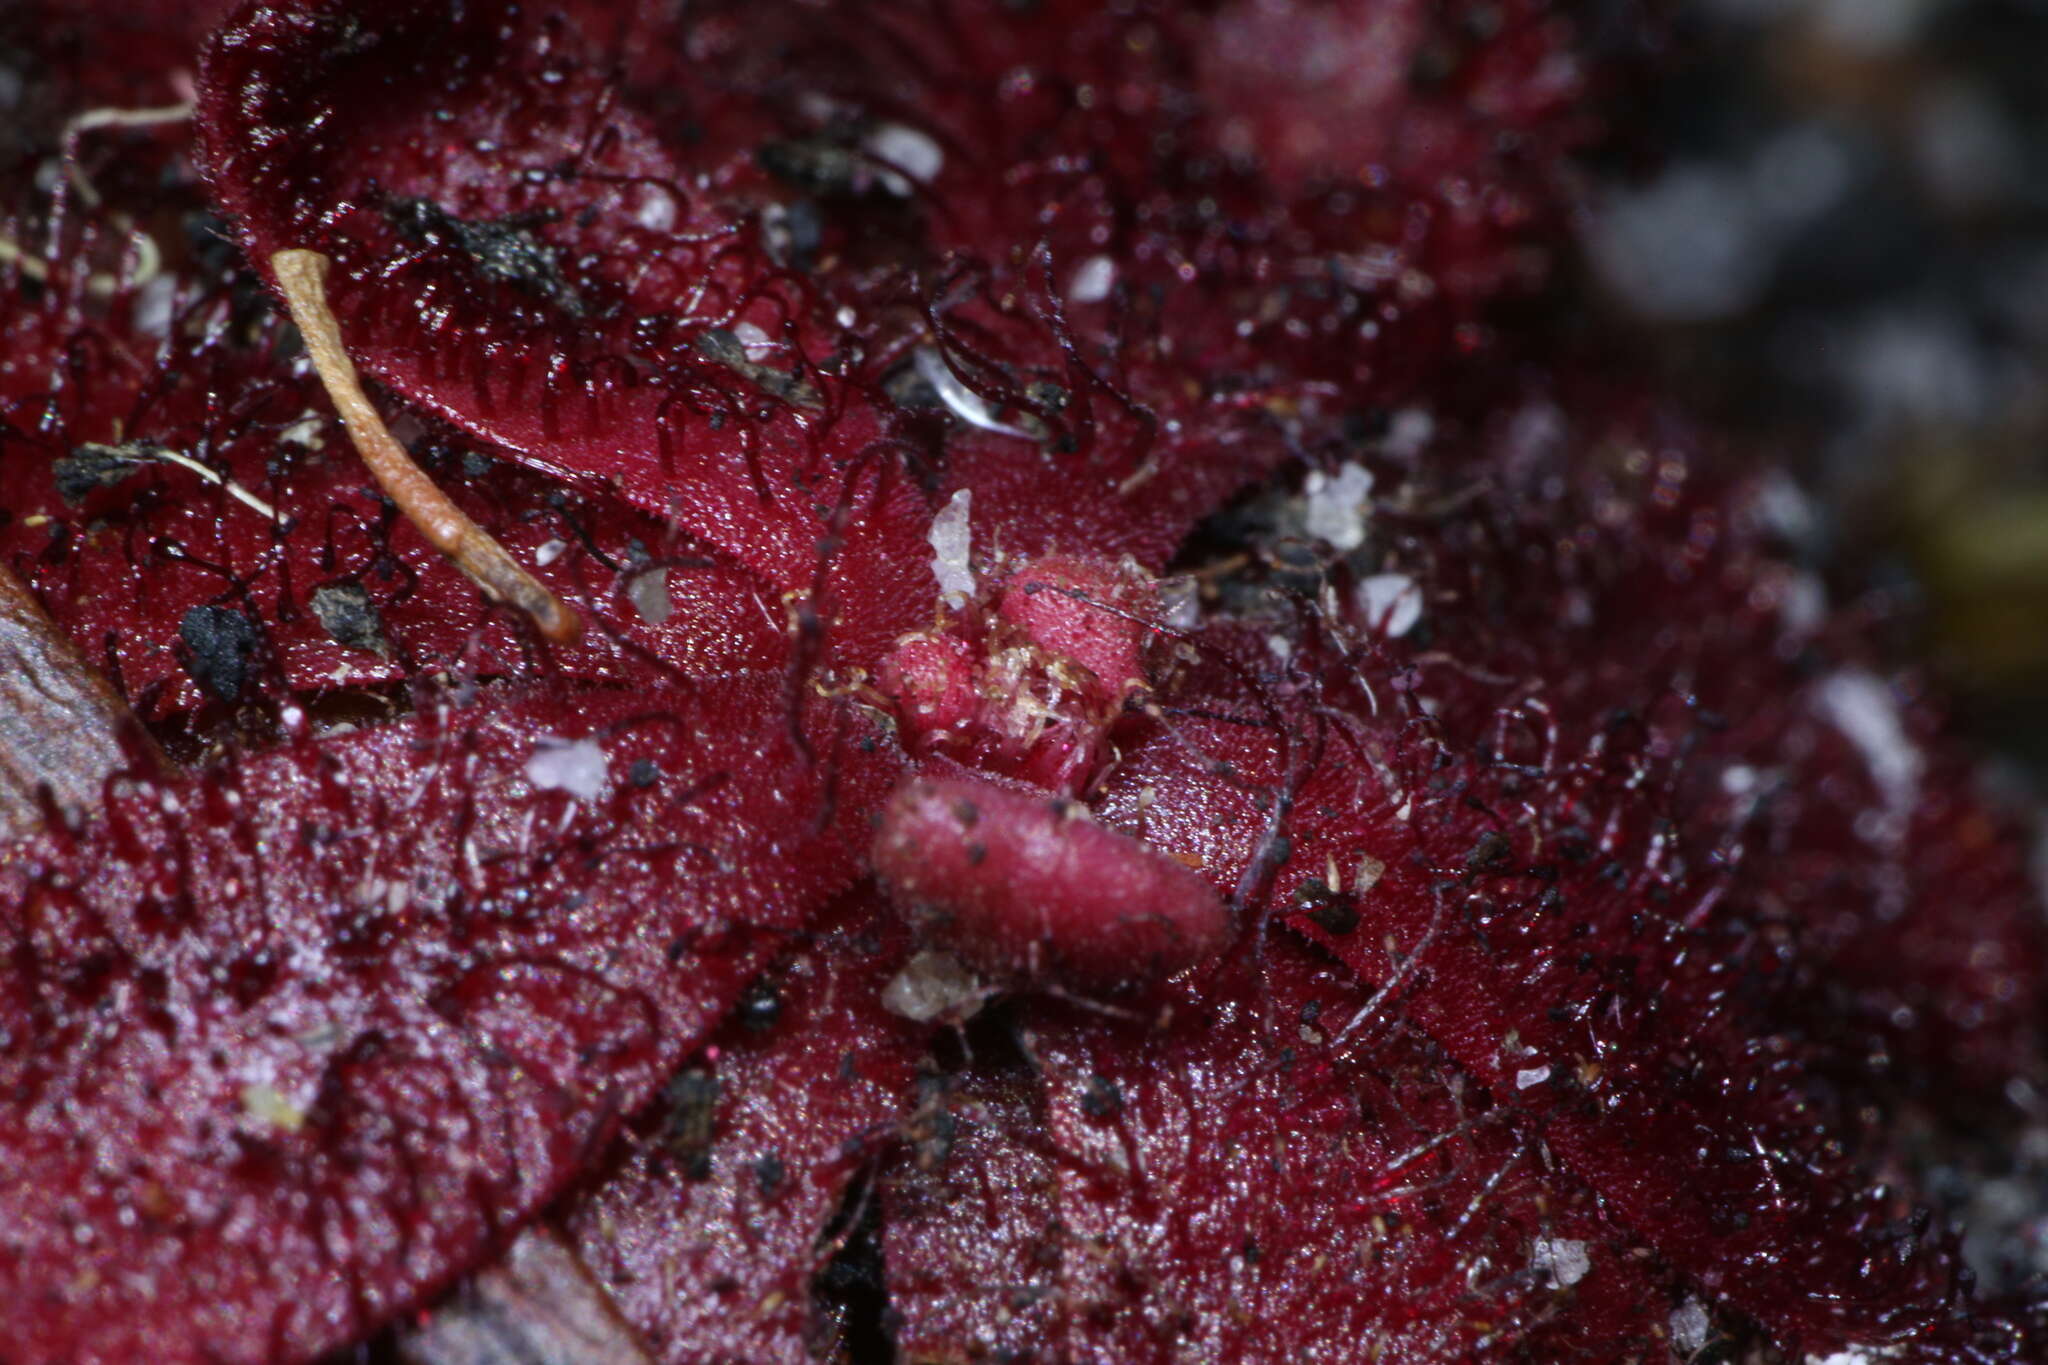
[(1026, 885)]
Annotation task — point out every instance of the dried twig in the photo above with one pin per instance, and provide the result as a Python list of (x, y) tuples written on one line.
[(302, 276)]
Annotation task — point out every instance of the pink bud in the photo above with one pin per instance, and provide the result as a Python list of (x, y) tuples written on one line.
[(1020, 884), (1084, 611), (931, 680)]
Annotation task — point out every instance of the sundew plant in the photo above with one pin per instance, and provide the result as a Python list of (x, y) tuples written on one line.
[(933, 680)]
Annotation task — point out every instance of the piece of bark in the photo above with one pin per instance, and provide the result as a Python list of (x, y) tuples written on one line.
[(536, 1303), (59, 719)]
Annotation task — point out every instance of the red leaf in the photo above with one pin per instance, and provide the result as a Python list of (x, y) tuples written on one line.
[(315, 1030), (1197, 1190), (423, 149), (711, 1229)]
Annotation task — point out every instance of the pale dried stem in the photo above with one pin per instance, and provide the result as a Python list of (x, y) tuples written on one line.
[(218, 480), (302, 275), (32, 266), (128, 118), (93, 119)]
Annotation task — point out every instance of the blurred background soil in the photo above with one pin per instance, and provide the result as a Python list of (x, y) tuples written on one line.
[(1840, 250)]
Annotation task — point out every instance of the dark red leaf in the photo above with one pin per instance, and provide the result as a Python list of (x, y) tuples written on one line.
[(425, 149), (314, 1031), (587, 257), (1208, 1189), (733, 1193)]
